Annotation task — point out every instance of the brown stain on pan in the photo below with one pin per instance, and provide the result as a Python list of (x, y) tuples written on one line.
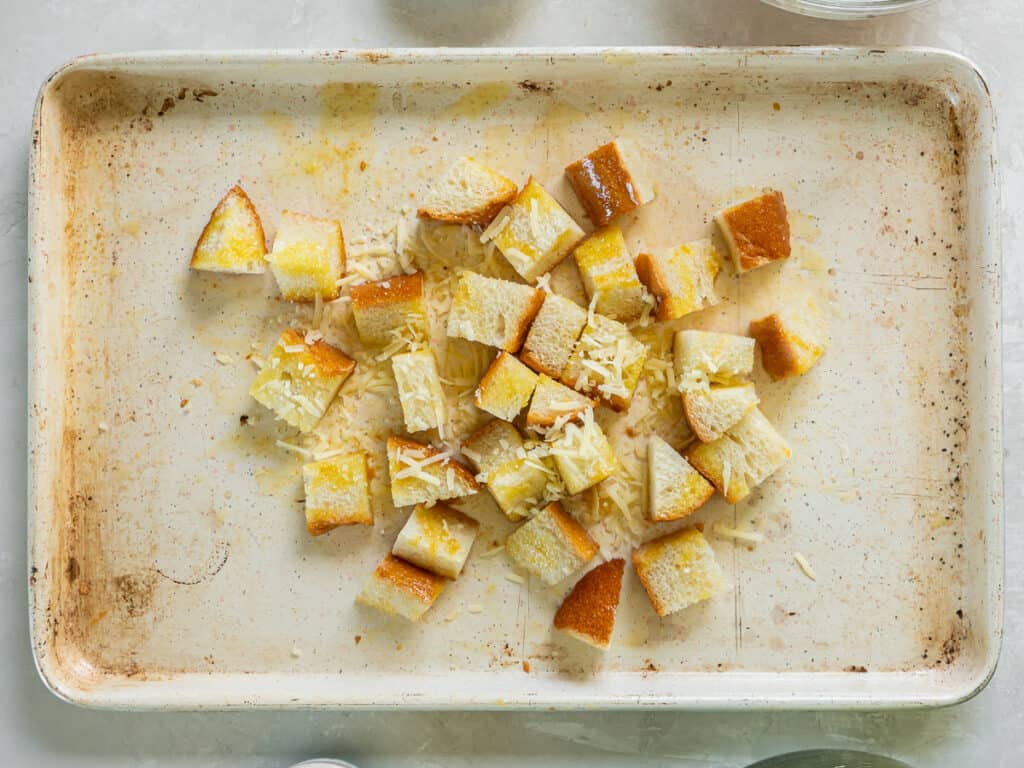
[(89, 607)]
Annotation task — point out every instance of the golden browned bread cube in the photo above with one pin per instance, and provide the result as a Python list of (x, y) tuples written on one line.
[(741, 459), (308, 258), (682, 279), (421, 474), (714, 410), (705, 357), (609, 274), (551, 545), (300, 380), (674, 488), (521, 486), (493, 311), (492, 445), (553, 402), (610, 181), (757, 230), (534, 233), (791, 339), (505, 388), (337, 493), (583, 455), (419, 390), (606, 363), (588, 611), (401, 589), (391, 311), (468, 193), (232, 240), (553, 336), (437, 539), (678, 570)]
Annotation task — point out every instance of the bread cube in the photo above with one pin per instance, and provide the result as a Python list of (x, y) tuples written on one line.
[(308, 257), (674, 488), (300, 380), (492, 445), (401, 589), (553, 402), (743, 458), (588, 611), (492, 311), (682, 279), (534, 233), (583, 455), (437, 539), (550, 545), (791, 339), (419, 390), (609, 274), (712, 411), (468, 193), (610, 181), (757, 230), (505, 388), (337, 493), (232, 240), (703, 357), (421, 474), (390, 310), (553, 336), (607, 362), (521, 485), (678, 570)]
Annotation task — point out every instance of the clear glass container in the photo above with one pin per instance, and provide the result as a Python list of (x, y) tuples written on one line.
[(846, 9), (829, 758)]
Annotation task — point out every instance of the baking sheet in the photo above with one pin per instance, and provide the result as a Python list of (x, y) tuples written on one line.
[(170, 567)]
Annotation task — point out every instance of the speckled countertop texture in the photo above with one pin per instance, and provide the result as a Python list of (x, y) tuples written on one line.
[(38, 730)]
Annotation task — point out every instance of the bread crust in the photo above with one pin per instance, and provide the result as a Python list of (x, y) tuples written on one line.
[(536, 301), (575, 533), (416, 582), (648, 268), (329, 360), (389, 291), (398, 444), (757, 230), (588, 611), (480, 216), (603, 184), (779, 358), (544, 418)]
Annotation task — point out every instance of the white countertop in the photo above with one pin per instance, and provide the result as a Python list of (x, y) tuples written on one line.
[(38, 730)]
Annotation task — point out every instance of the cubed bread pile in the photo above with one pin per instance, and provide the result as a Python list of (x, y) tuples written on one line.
[(558, 370)]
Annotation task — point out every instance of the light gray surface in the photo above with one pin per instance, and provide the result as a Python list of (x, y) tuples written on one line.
[(35, 729)]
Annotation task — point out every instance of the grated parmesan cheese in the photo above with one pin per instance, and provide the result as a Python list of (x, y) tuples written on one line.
[(329, 454), (534, 219), (223, 359), (295, 449), (750, 537), (496, 227), (805, 566)]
